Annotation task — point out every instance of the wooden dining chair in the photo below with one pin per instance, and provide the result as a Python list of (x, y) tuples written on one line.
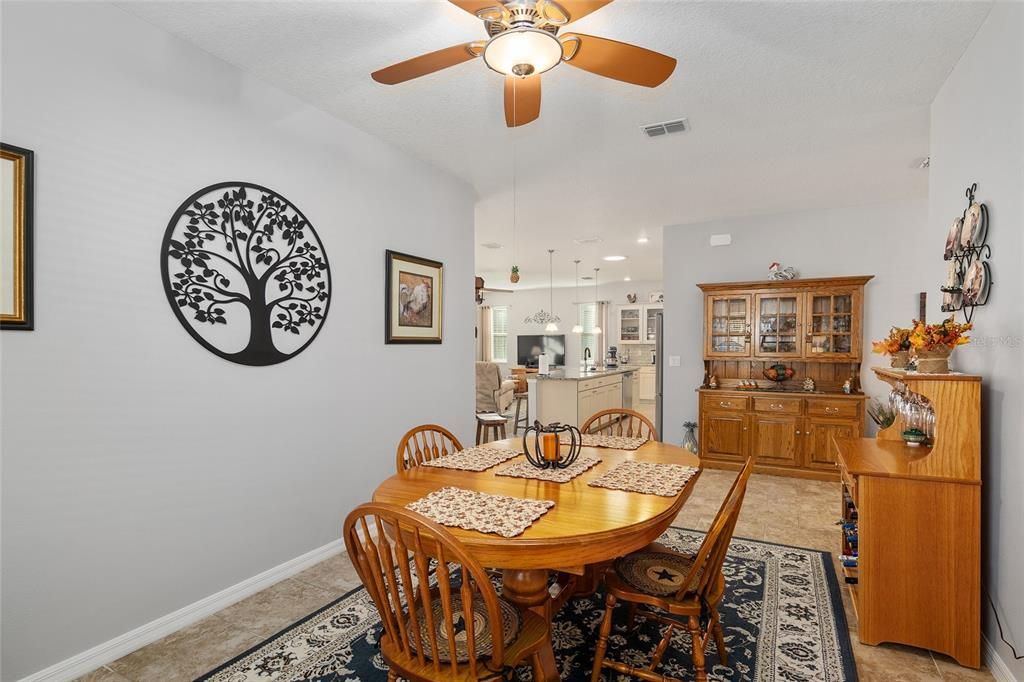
[(687, 588), (620, 421), (424, 443), (441, 616)]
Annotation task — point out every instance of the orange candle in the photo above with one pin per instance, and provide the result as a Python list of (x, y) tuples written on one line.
[(550, 446)]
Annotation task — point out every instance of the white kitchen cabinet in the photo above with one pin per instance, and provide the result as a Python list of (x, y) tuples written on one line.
[(631, 320), (650, 322), (647, 383)]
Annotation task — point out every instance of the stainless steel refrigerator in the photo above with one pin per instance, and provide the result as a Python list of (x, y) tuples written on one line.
[(659, 371)]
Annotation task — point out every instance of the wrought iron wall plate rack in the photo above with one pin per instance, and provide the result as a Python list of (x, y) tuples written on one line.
[(972, 275)]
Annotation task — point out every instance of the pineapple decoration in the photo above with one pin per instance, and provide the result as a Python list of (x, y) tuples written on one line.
[(514, 277)]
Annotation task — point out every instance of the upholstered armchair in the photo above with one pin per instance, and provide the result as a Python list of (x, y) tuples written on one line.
[(492, 393)]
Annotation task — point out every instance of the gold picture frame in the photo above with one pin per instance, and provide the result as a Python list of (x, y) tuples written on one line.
[(413, 299), (16, 213)]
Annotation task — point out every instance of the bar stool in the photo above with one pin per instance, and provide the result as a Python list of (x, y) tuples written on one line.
[(521, 398), (489, 426)]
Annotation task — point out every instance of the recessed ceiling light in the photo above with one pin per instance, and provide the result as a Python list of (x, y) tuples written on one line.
[(642, 240), (583, 241), (627, 279), (613, 259)]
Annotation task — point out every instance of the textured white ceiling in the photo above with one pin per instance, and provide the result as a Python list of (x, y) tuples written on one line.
[(792, 105)]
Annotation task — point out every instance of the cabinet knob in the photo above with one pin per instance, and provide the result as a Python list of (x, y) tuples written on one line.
[(831, 410), (798, 432), (744, 428)]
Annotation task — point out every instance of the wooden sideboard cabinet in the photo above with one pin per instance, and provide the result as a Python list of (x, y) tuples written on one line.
[(918, 516), (813, 326), (786, 434)]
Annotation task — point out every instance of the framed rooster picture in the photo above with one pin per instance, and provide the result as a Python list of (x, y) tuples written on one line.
[(414, 299)]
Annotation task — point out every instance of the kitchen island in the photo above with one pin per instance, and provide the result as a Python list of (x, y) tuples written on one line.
[(572, 395)]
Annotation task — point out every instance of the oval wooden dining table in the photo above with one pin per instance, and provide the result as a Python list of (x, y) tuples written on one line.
[(587, 525)]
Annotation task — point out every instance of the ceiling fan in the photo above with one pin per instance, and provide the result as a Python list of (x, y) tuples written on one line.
[(525, 42)]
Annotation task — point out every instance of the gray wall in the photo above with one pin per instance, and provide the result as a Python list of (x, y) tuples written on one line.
[(883, 240), (140, 472), (978, 136)]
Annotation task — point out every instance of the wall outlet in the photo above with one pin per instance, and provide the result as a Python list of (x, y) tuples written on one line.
[(673, 361)]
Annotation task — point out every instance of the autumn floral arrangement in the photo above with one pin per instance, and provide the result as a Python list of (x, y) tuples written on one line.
[(933, 344), (896, 345), (946, 335), (898, 340)]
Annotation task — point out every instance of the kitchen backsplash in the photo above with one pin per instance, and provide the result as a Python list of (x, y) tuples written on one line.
[(639, 354)]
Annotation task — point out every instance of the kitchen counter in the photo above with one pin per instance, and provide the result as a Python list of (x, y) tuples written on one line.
[(577, 374)]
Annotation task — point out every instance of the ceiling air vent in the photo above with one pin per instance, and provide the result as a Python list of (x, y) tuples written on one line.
[(491, 245), (678, 125)]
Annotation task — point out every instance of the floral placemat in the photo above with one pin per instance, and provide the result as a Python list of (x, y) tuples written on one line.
[(527, 470), (474, 459), (650, 478), (470, 510), (602, 440)]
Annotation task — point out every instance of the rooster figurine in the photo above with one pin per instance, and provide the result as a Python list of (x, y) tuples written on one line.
[(776, 272)]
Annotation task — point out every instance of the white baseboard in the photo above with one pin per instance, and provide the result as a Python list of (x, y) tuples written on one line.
[(996, 665), (110, 651)]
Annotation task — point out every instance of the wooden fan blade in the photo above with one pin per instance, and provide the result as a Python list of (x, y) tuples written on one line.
[(424, 64), (474, 6), (522, 100), (577, 9), (621, 61)]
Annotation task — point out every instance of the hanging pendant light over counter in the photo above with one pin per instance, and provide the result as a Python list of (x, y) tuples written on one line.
[(549, 319), (577, 328)]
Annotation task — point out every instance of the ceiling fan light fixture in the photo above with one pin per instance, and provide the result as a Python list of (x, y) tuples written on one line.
[(522, 52)]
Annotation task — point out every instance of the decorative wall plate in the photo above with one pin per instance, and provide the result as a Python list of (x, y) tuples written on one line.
[(975, 283), (953, 239), (972, 233), (245, 273)]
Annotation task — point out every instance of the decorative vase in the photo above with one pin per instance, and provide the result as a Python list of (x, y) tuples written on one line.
[(900, 359), (690, 437), (935, 361)]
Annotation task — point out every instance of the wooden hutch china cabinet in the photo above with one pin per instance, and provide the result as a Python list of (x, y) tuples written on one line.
[(811, 326)]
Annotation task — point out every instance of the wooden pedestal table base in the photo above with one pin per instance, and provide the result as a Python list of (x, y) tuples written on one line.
[(528, 589)]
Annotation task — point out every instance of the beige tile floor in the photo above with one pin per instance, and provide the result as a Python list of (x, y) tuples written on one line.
[(784, 510)]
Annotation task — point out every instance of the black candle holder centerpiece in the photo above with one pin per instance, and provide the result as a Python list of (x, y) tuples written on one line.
[(547, 450)]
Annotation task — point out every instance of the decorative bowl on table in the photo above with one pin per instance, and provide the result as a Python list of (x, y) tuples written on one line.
[(778, 372)]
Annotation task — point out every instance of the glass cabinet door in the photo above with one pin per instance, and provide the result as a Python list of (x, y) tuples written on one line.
[(728, 325), (778, 320), (629, 324), (650, 323), (830, 322)]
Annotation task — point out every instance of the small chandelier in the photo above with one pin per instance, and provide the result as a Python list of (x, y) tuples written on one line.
[(550, 320)]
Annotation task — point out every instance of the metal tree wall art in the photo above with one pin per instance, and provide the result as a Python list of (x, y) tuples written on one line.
[(245, 273)]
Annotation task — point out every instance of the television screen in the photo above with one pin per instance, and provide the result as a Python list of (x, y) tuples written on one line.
[(532, 347)]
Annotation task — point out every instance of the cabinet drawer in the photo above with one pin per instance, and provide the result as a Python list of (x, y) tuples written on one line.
[(845, 409), (778, 405), (598, 382), (726, 402)]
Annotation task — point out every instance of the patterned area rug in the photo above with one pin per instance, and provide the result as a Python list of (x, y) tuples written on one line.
[(782, 615)]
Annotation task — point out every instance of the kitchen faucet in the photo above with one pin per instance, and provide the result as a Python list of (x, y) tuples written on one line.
[(586, 356)]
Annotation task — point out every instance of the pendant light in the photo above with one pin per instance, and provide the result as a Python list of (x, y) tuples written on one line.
[(577, 328), (542, 317), (597, 327)]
